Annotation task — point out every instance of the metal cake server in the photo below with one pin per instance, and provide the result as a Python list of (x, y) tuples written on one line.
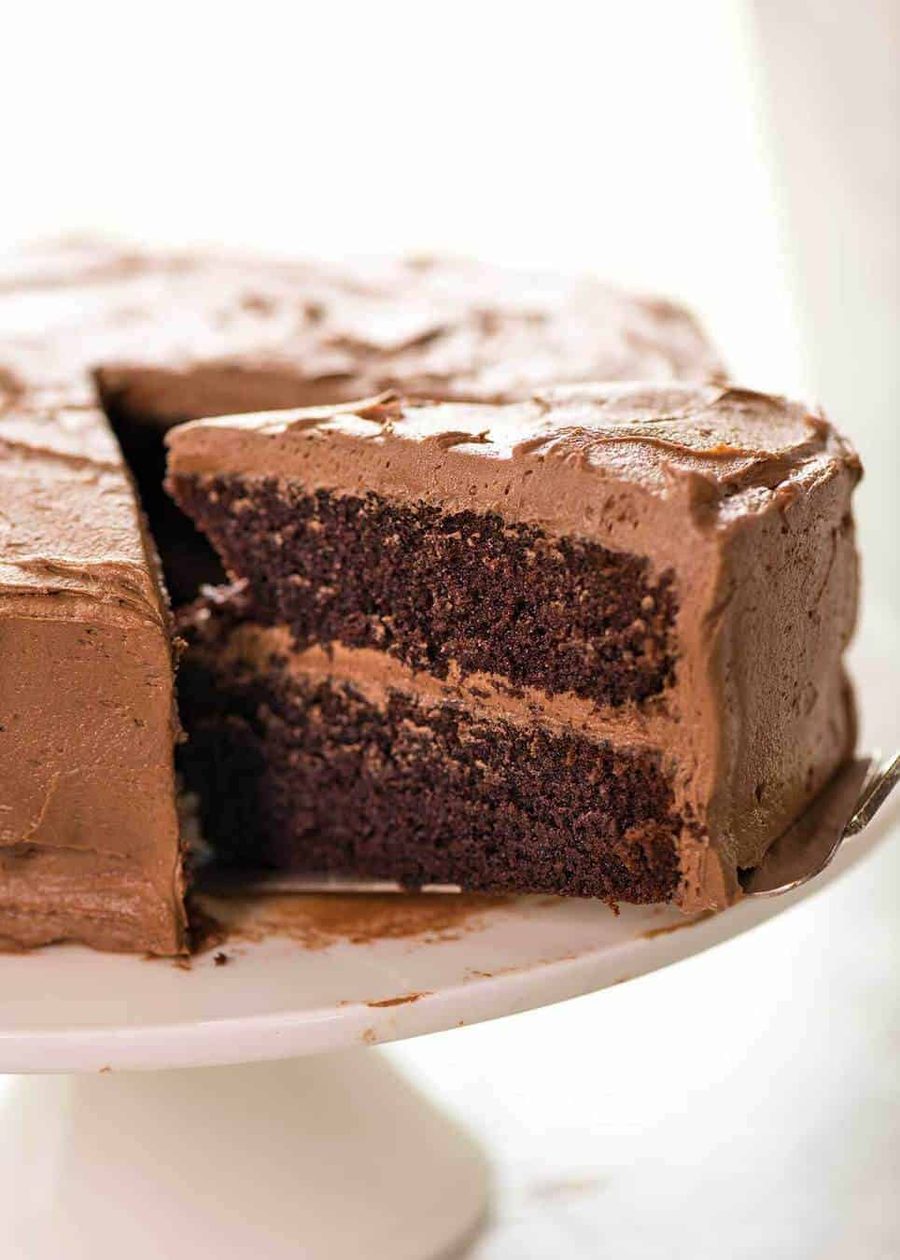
[(843, 809)]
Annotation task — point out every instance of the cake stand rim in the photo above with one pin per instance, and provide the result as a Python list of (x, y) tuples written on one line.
[(286, 1033)]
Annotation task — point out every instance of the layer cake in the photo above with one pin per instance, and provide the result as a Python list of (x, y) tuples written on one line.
[(588, 643), (88, 832)]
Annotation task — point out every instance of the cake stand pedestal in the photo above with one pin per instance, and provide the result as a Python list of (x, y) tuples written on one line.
[(330, 1156), (242, 1137)]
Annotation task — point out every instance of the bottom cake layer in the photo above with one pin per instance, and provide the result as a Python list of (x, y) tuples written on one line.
[(303, 769)]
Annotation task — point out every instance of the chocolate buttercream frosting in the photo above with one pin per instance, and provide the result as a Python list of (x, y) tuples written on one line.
[(186, 336), (89, 845)]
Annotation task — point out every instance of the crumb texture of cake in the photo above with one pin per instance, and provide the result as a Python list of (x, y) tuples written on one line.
[(664, 575), (445, 591), (336, 767)]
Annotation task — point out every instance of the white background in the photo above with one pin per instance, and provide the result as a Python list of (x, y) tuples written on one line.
[(740, 156)]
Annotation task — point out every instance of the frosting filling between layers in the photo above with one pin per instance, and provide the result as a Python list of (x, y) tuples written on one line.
[(241, 643)]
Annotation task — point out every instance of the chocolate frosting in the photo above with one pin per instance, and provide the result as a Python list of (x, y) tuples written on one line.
[(186, 336), (744, 496), (88, 830), (88, 833), (731, 440)]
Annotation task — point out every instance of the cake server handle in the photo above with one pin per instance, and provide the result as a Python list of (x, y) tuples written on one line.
[(876, 790)]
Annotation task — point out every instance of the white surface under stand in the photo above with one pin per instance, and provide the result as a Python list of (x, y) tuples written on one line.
[(281, 1150)]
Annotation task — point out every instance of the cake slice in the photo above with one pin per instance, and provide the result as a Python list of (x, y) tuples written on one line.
[(89, 838), (590, 643)]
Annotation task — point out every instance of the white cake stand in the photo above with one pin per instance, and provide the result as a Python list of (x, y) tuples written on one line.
[(259, 1143)]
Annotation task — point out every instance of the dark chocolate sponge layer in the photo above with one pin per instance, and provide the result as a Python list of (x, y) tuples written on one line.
[(434, 588), (310, 774)]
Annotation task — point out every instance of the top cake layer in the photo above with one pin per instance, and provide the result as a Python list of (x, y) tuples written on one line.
[(168, 338)]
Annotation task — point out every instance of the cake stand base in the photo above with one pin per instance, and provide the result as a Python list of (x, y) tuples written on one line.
[(328, 1157)]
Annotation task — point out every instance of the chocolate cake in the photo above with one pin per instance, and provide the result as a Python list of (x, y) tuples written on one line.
[(88, 834), (589, 643)]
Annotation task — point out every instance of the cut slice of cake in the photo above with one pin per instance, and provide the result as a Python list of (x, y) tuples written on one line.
[(590, 643)]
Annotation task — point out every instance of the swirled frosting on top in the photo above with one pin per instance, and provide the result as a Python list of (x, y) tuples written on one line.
[(196, 335), (546, 459)]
